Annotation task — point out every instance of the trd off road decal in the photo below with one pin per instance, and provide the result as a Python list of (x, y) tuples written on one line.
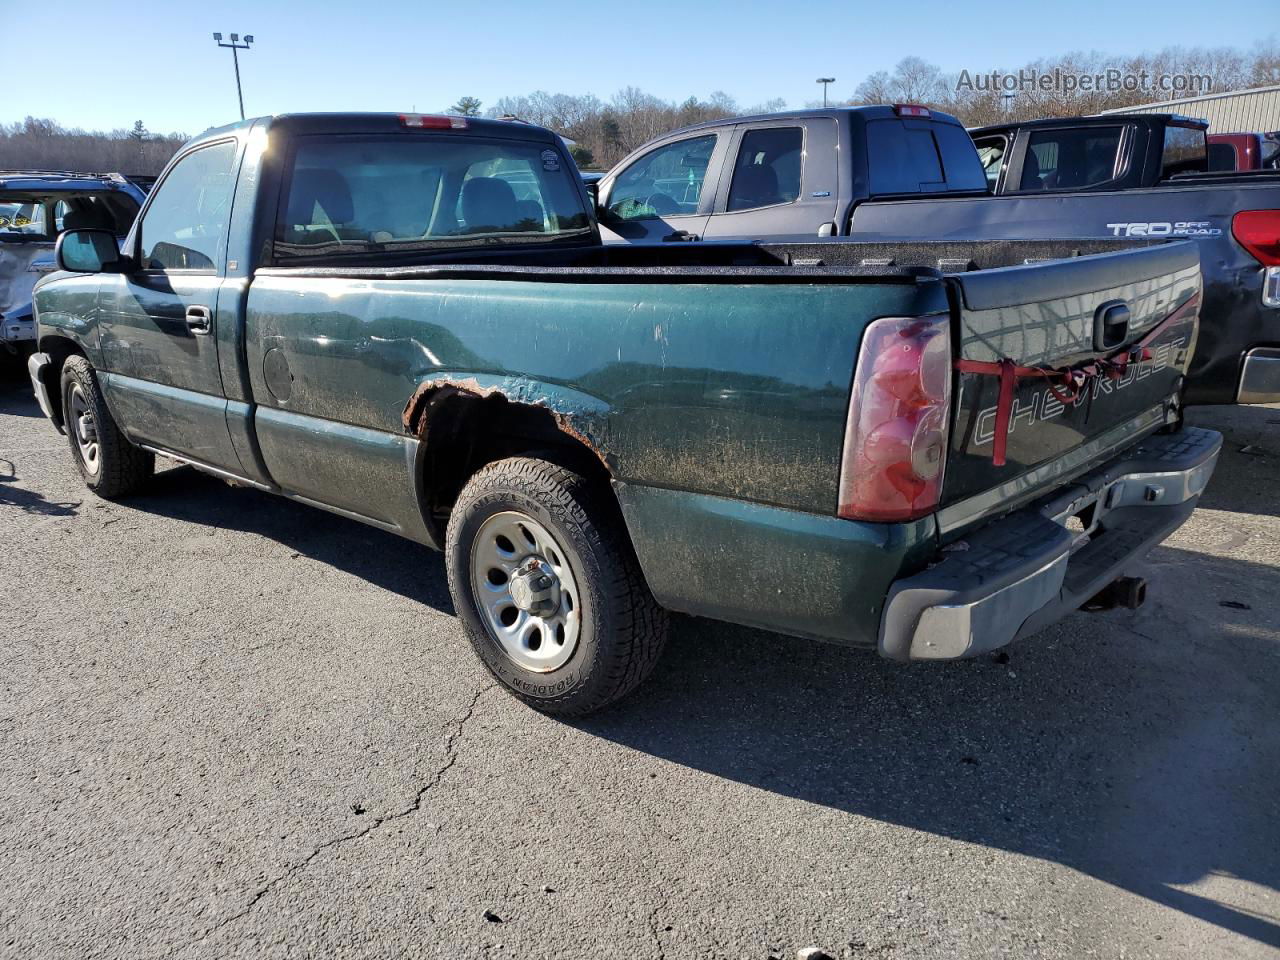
[(1042, 405), (1165, 228)]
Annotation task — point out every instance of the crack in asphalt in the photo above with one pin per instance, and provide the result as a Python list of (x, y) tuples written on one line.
[(451, 757), (653, 931)]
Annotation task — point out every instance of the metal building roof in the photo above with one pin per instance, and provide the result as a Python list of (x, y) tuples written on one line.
[(1240, 111)]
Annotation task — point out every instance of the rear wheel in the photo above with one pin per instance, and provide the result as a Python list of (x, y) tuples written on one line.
[(544, 579), (110, 465)]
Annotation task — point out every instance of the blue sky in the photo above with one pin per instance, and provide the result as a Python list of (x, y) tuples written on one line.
[(157, 62)]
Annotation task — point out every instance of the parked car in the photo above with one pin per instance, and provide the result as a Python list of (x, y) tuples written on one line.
[(908, 173), (834, 441), (35, 206)]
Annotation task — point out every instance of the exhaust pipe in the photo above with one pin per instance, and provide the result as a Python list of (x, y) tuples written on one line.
[(1127, 592)]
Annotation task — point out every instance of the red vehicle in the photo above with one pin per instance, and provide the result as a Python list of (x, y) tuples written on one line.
[(1235, 151)]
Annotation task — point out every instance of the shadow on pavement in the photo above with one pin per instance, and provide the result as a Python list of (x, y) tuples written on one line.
[(1079, 757), (383, 559), (1245, 480), (28, 501)]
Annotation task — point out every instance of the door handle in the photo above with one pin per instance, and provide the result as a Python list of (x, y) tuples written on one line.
[(1110, 325), (680, 235), (199, 319)]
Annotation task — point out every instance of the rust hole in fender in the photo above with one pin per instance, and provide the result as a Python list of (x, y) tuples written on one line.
[(463, 425)]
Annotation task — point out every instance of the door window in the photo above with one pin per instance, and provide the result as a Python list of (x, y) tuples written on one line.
[(1185, 151), (1070, 159), (187, 218), (767, 171), (666, 182)]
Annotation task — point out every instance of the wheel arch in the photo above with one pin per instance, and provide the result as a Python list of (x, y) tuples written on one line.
[(463, 423), (58, 348)]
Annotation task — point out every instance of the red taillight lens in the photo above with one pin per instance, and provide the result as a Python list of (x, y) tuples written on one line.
[(895, 439), (1258, 231), (424, 121), (910, 110)]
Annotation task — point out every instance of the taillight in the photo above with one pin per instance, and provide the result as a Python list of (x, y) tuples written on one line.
[(895, 438), (1258, 231), (910, 110), (425, 121)]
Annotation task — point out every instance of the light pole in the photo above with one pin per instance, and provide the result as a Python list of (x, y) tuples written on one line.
[(824, 81), (236, 46)]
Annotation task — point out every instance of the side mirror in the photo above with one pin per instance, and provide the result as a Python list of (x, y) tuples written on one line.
[(593, 191), (88, 251)]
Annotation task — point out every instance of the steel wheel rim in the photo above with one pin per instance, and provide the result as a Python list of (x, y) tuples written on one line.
[(84, 430), (511, 550)]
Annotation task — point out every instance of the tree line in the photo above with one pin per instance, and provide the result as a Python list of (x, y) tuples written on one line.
[(42, 144), (1068, 85), (605, 130)]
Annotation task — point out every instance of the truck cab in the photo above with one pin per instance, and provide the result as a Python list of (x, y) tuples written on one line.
[(1105, 152), (784, 175)]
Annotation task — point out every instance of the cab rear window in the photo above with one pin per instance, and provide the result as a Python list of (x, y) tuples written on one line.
[(383, 195), (921, 157)]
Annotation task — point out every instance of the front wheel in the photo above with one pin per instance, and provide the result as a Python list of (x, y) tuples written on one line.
[(110, 465), (544, 579)]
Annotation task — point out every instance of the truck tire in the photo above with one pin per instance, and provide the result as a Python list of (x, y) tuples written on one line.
[(545, 581), (110, 465)]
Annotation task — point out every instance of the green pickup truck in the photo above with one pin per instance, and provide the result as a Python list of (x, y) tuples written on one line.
[(928, 449)]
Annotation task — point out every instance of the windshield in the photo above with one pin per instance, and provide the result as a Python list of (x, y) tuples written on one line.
[(398, 194)]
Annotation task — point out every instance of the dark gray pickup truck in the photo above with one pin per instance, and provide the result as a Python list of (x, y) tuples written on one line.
[(411, 321), (908, 173)]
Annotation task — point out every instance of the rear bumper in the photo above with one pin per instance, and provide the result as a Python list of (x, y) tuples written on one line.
[(1017, 575), (1260, 376)]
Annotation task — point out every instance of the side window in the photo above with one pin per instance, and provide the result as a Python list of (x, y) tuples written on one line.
[(767, 170), (1185, 151), (991, 152), (188, 216), (665, 182), (1070, 159)]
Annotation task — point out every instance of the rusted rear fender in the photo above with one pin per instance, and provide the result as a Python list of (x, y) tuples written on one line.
[(579, 416)]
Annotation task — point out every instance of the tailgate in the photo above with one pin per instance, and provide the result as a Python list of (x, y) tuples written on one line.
[(1059, 315)]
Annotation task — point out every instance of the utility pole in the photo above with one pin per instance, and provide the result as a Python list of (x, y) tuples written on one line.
[(824, 81), (236, 46)]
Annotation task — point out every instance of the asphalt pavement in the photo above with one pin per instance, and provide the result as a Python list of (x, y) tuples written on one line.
[(234, 726)]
